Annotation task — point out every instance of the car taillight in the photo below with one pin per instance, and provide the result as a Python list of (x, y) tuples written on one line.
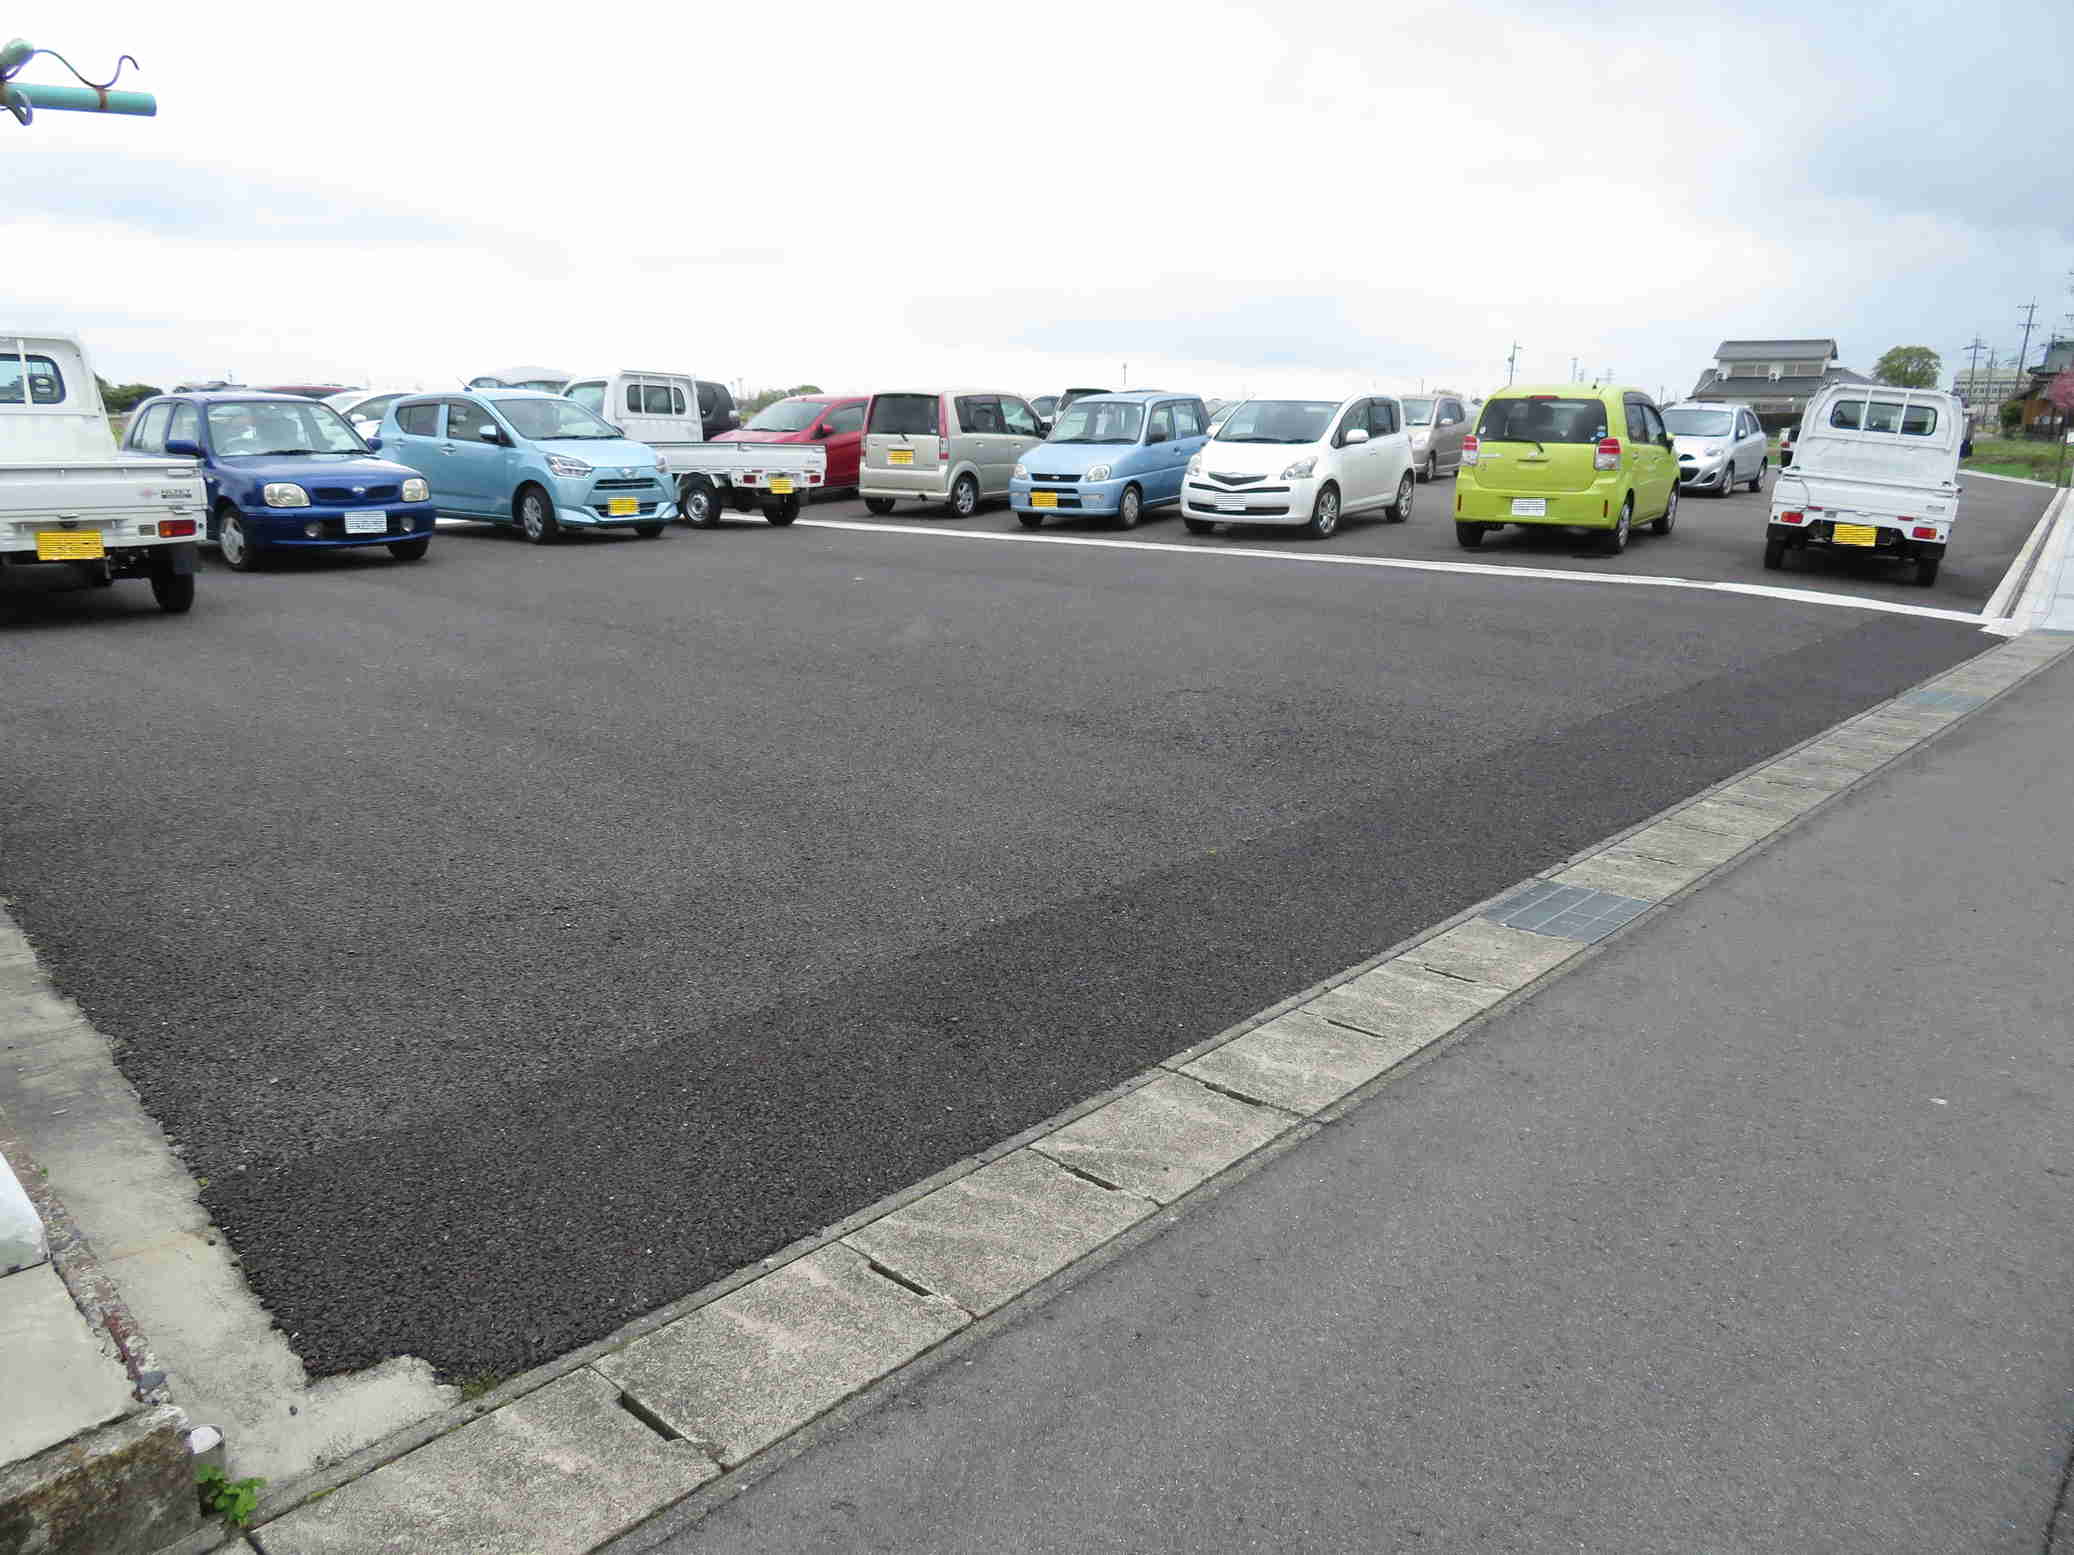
[(1923, 532), (943, 429), (175, 528), (1470, 444), (1608, 456), (1791, 518)]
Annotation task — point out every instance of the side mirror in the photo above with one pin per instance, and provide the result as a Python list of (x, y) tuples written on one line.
[(1355, 435), (489, 434), (185, 447), (823, 430), (1665, 441), (373, 441)]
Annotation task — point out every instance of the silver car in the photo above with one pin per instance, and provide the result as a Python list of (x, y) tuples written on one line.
[(1437, 423), (1719, 446), (956, 447)]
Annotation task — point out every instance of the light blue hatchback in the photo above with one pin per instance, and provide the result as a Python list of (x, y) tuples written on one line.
[(516, 456), (1118, 455)]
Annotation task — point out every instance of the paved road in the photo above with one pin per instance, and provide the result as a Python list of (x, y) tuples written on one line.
[(1751, 1235), (522, 939), (1718, 539)]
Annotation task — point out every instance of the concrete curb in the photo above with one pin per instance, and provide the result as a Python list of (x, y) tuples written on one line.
[(735, 1379)]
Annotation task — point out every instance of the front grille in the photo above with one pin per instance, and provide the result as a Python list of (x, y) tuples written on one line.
[(346, 496), (1235, 480), (1251, 510), (1056, 480), (1257, 491), (641, 509), (335, 528), (1067, 499), (642, 484)]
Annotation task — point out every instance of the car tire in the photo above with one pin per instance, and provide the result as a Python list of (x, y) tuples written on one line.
[(1616, 540), (1130, 508), (1774, 555), (174, 591), (1400, 510), (536, 515), (234, 541), (781, 512), (699, 502), (1431, 472), (1764, 468), (1728, 481), (964, 500), (1668, 520), (1469, 536), (1926, 570), (1324, 519), (649, 531), (410, 550), (878, 507), (1199, 526)]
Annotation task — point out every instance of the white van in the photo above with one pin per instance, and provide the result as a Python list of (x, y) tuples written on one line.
[(1875, 473)]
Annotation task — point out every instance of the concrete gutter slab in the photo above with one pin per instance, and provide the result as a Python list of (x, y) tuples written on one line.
[(1492, 954), (1394, 1002), (1676, 843), (1749, 822), (761, 1362), (1164, 1138), (990, 1236), (56, 1378), (1622, 870), (556, 1473), (1302, 1063)]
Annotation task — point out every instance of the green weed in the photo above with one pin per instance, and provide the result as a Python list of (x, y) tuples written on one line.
[(233, 1500)]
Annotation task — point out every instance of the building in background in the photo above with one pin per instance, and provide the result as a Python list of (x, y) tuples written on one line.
[(2041, 419), (1984, 392), (1775, 378)]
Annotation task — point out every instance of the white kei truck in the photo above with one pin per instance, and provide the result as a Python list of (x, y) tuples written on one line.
[(1875, 473), (662, 410), (69, 499)]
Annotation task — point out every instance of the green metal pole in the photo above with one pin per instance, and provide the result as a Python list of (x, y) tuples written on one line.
[(78, 99)]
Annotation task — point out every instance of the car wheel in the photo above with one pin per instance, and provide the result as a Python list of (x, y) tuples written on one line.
[(1728, 482), (1764, 468), (1774, 555), (1199, 526), (781, 512), (1669, 519), (964, 497), (648, 531), (234, 540), (878, 507), (1130, 507), (1926, 570), (536, 516), (1400, 510), (410, 550), (1324, 514), (699, 502), (174, 591), (1431, 472), (1469, 536), (1616, 539)]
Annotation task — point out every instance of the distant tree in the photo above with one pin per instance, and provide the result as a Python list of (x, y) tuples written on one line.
[(116, 398), (2011, 415), (1909, 367), (770, 397)]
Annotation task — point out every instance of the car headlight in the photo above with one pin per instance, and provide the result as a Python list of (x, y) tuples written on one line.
[(1021, 474), (285, 494), (1195, 463), (1419, 435), (416, 491), (1712, 452), (1300, 469), (557, 465), (1099, 472)]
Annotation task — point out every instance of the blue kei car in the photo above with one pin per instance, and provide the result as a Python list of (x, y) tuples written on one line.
[(1112, 454), (285, 473), (539, 461)]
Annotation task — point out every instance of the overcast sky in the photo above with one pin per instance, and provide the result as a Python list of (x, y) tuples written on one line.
[(1274, 197)]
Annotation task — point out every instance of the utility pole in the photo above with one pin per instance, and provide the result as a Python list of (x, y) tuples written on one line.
[(1973, 367), (1573, 369), (2023, 353), (22, 98), (1511, 363)]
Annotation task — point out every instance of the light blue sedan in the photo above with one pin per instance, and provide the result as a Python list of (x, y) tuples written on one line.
[(1112, 454)]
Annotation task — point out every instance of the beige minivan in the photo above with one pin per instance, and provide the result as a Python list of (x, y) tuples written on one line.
[(950, 446)]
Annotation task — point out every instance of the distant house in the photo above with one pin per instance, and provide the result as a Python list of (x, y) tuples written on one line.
[(1775, 378), (2040, 418)]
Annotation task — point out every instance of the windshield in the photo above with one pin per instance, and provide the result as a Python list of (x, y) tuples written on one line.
[(541, 420), (1098, 421), (1278, 421), (245, 429), (786, 416), (1544, 418), (1699, 423), (591, 396), (1417, 412)]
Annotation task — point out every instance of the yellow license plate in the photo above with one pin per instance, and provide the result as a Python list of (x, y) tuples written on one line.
[(780, 486), (900, 456), (623, 507), (1854, 534), (1044, 499), (69, 545)]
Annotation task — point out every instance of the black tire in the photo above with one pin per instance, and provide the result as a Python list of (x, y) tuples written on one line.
[(649, 531), (1431, 472), (1130, 508), (781, 511), (1666, 521), (1029, 518), (699, 502), (1400, 510), (1199, 526), (1469, 536), (234, 542), (1728, 481), (410, 550), (878, 507), (174, 591), (1324, 519), (964, 500), (1764, 468), (1774, 555), (535, 513), (1616, 539), (1926, 570)]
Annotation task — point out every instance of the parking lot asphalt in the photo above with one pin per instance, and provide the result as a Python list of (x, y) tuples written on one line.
[(521, 939), (1716, 540)]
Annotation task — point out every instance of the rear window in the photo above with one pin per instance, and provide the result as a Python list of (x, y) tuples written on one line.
[(1699, 423), (906, 415), (1537, 420), (1884, 416), (46, 385)]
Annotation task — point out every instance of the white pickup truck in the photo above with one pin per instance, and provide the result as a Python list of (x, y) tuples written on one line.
[(1875, 473), (68, 498), (662, 410)]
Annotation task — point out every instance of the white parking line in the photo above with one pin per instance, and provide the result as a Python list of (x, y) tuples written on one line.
[(1474, 569)]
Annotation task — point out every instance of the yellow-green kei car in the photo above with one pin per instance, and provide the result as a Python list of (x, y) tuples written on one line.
[(1572, 455)]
